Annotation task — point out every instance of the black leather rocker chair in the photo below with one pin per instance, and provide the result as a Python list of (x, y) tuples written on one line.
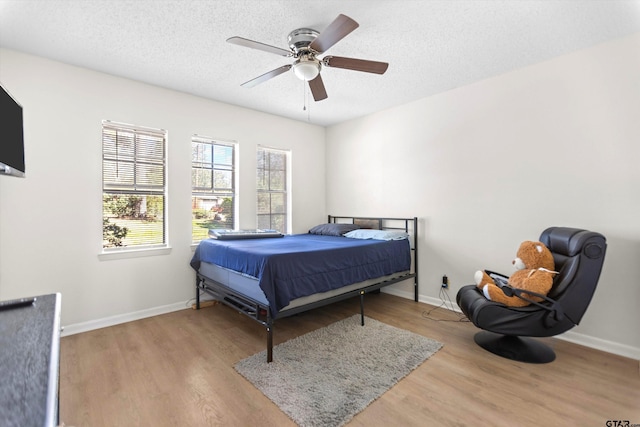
[(578, 255)]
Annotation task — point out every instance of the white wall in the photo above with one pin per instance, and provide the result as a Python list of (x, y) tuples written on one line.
[(488, 165), (50, 222)]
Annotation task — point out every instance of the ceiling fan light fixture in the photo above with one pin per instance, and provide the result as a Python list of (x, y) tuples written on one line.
[(306, 69)]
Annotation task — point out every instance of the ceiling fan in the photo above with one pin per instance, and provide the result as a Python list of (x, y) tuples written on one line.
[(305, 44)]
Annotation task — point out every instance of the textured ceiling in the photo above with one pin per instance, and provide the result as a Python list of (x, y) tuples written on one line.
[(431, 46)]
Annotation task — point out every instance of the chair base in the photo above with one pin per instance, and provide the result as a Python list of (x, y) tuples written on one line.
[(521, 349)]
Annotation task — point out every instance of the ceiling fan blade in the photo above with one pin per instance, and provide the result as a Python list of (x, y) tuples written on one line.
[(266, 76), (317, 89), (355, 64), (240, 41), (336, 31)]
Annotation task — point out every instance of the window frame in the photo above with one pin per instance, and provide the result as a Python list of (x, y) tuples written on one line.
[(286, 193), (136, 187), (213, 166)]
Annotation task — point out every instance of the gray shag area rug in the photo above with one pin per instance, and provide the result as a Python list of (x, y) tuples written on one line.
[(326, 377)]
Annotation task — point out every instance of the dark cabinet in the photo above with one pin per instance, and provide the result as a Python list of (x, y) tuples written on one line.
[(29, 362)]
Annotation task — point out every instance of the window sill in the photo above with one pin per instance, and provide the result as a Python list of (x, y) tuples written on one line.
[(133, 253)]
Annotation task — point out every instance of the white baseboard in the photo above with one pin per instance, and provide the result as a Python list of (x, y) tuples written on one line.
[(77, 328), (421, 298), (570, 336), (600, 344)]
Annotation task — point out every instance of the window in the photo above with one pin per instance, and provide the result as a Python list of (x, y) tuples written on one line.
[(212, 186), (272, 206), (133, 186)]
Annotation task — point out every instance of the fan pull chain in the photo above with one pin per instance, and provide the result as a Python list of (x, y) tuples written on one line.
[(304, 96), (306, 107)]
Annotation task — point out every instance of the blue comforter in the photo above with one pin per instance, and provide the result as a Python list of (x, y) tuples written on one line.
[(305, 264)]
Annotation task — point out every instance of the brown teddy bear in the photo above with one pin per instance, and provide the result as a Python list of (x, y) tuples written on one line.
[(534, 264)]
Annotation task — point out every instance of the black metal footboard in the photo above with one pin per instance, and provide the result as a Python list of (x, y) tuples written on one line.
[(243, 304)]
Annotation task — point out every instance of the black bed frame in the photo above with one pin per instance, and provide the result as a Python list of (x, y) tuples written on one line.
[(259, 312)]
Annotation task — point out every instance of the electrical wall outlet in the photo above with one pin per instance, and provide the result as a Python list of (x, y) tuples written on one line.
[(445, 281)]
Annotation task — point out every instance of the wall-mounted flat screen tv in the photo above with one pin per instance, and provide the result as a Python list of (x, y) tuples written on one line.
[(11, 136)]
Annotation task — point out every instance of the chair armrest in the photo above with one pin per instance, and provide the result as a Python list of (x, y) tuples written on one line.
[(556, 312)]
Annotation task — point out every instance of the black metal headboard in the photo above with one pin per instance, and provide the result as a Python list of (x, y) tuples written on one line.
[(408, 225)]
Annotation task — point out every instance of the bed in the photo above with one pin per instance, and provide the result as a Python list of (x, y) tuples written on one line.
[(271, 278)]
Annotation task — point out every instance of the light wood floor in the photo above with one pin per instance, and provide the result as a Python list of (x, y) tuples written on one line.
[(177, 370)]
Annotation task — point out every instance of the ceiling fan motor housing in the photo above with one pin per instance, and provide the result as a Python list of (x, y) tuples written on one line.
[(300, 39)]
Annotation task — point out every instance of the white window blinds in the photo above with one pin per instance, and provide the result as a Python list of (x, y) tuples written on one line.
[(133, 186)]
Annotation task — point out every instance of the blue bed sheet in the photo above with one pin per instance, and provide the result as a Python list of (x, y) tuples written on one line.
[(305, 264)]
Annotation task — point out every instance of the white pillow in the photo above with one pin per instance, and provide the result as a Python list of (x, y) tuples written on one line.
[(364, 233)]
